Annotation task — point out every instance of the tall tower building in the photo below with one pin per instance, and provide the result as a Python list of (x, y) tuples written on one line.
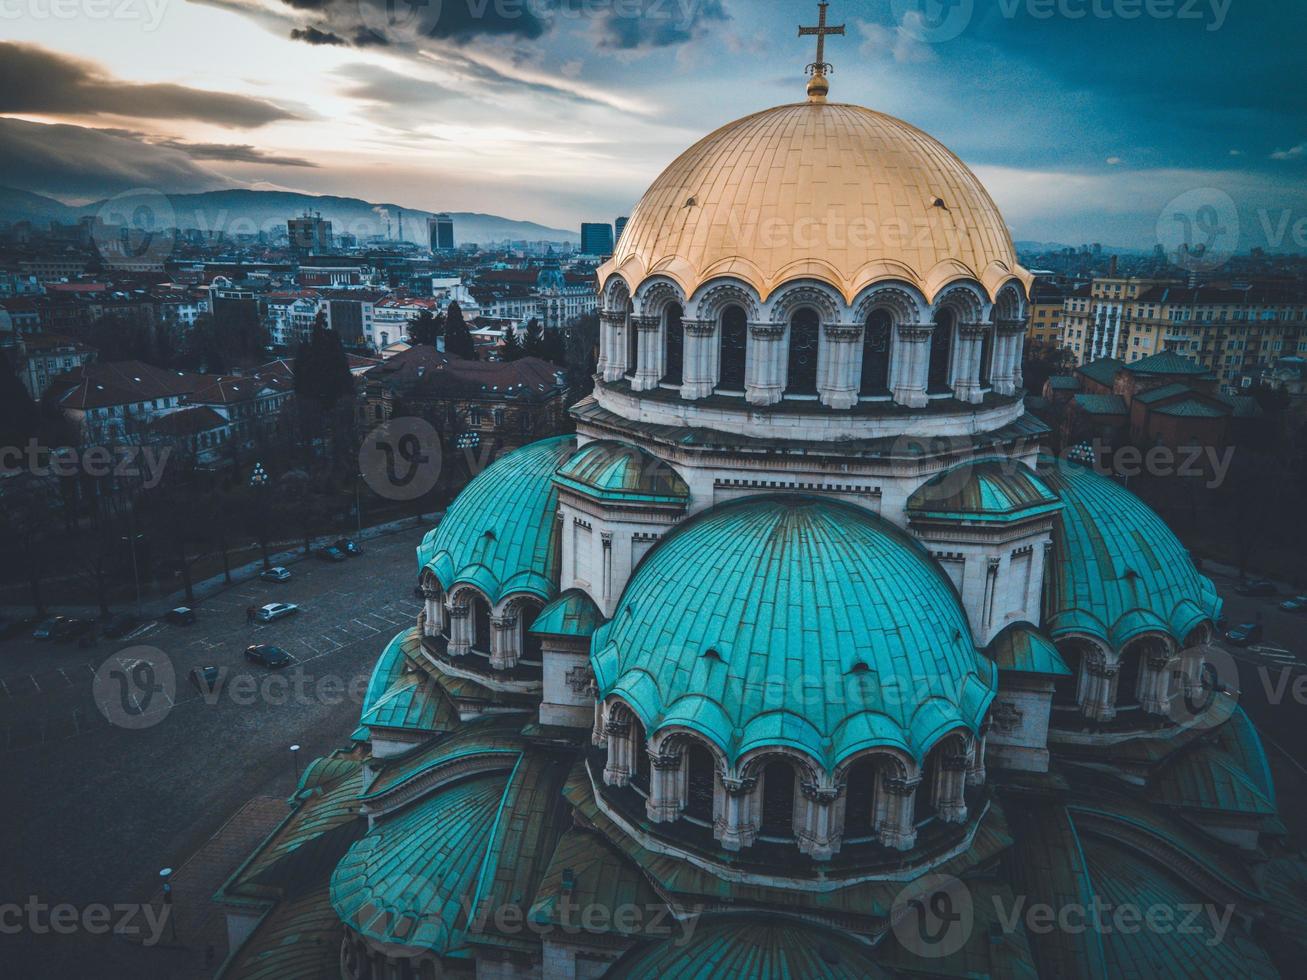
[(596, 239), (309, 234), (440, 233), (619, 226)]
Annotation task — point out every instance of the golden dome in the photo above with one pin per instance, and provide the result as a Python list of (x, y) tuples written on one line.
[(822, 191)]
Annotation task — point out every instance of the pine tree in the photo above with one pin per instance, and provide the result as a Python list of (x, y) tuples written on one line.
[(425, 329), (321, 367), (534, 338), (18, 413), (512, 349), (458, 338)]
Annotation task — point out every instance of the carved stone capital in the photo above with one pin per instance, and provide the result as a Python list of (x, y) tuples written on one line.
[(616, 728), (612, 318), (458, 610), (1096, 668), (954, 763), (915, 333), (824, 795), (665, 761), (739, 785), (900, 785), (699, 328), (992, 564), (1011, 326), (842, 331), (972, 331), (607, 538), (504, 622), (767, 331), (645, 322)]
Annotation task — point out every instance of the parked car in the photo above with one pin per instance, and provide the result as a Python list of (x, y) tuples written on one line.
[(1298, 604), (276, 610), (330, 553), (268, 656), (120, 625), (181, 616), (1244, 634), (348, 546), (275, 574), (45, 630), (207, 680), (12, 627), (1256, 587), (70, 629)]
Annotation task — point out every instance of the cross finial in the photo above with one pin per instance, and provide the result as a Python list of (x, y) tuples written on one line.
[(818, 86)]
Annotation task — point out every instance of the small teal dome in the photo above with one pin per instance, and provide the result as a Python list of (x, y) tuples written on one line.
[(616, 472), (1116, 570), (789, 620), (991, 490), (500, 533)]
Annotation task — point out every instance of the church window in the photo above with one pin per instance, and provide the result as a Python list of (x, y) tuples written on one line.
[(778, 799), (941, 352), (675, 332), (875, 354), (734, 343), (700, 781), (804, 329)]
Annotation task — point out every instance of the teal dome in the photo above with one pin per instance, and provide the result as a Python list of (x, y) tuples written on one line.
[(992, 490), (1116, 570), (794, 621), (500, 534), (620, 473)]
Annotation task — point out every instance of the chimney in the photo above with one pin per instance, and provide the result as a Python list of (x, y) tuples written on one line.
[(1111, 267)]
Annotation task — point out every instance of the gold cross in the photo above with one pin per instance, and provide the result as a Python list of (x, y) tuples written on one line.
[(819, 67)]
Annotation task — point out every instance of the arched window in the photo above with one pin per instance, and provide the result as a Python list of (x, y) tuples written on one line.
[(700, 780), (675, 332), (923, 800), (639, 771), (1066, 688), (986, 356), (875, 354), (480, 625), (632, 344), (860, 798), (941, 352), (804, 330), (530, 642), (734, 342), (778, 799), (1127, 678)]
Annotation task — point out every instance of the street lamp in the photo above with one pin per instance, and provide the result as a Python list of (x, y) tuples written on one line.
[(166, 875), (295, 762), (136, 574), (259, 483)]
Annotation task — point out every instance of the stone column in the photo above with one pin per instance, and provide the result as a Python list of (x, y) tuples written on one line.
[(950, 788), (612, 346), (1099, 701), (966, 365), (505, 648), (894, 823), (597, 734), (839, 365), (818, 829), (764, 380), (667, 786), (735, 823), (432, 613), (910, 363), (460, 629), (649, 369), (1155, 680), (617, 771), (699, 373), (1006, 373), (976, 759)]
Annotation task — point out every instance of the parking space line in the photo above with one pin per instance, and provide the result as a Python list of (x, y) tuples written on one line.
[(32, 678)]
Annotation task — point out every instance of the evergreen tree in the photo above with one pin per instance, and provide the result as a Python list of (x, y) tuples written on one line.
[(534, 338), (512, 349), (321, 368), (552, 348), (19, 415), (458, 338), (425, 329)]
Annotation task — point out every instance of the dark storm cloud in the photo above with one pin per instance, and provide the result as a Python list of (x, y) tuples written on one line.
[(364, 23), (311, 35), (77, 162), (657, 23), (38, 81), (232, 152)]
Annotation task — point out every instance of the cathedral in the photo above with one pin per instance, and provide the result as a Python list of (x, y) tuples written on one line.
[(800, 658)]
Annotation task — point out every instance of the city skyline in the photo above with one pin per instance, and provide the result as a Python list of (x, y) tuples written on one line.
[(561, 112)]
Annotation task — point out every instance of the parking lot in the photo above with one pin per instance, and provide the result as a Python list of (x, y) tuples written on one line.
[(99, 800)]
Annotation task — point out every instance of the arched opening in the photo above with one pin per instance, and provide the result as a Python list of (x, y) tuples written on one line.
[(923, 800), (639, 771), (1066, 688), (804, 331), (860, 799), (530, 642), (632, 344), (941, 352), (1127, 677), (674, 330), (700, 780), (733, 342), (481, 625), (778, 778), (875, 354), (986, 356)]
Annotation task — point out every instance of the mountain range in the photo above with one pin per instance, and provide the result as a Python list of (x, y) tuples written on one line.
[(248, 211)]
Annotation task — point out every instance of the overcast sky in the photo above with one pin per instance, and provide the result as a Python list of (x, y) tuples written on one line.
[(1083, 117)]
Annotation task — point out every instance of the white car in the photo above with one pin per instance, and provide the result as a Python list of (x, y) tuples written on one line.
[(276, 610), (275, 574)]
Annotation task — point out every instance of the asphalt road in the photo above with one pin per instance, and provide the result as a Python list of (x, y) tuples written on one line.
[(94, 808)]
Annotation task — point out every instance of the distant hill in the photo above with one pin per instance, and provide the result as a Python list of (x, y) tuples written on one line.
[(249, 211)]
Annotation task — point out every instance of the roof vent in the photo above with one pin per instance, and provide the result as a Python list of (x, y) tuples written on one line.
[(860, 668), (712, 654)]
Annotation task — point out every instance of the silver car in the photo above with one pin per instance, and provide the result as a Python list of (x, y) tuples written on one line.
[(276, 610)]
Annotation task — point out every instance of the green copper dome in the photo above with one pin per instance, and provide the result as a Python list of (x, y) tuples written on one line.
[(1116, 570), (991, 490), (500, 533), (573, 613), (619, 473), (789, 620)]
